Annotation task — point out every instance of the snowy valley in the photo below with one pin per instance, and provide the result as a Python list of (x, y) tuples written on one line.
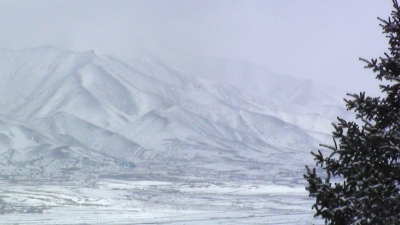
[(92, 139)]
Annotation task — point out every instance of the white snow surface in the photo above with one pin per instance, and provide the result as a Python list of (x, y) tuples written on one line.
[(89, 139)]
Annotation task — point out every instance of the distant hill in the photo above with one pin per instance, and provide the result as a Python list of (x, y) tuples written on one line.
[(62, 108)]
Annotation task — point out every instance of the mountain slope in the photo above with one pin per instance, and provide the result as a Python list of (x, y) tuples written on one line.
[(110, 112), (256, 79)]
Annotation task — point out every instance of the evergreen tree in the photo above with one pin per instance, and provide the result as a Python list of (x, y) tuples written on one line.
[(366, 154)]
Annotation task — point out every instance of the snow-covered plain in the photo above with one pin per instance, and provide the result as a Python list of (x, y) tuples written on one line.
[(89, 139), (156, 202)]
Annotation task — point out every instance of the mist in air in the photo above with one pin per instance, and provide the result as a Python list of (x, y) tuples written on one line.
[(315, 40)]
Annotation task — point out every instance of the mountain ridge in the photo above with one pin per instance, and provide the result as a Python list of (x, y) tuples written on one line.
[(87, 104)]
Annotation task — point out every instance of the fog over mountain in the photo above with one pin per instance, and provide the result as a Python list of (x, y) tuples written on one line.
[(174, 112), (89, 103), (80, 116)]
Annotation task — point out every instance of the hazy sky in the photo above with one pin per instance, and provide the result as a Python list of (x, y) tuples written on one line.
[(317, 39)]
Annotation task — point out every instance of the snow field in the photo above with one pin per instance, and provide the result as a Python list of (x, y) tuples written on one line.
[(154, 202)]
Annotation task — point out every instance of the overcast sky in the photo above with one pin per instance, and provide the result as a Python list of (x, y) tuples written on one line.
[(317, 39)]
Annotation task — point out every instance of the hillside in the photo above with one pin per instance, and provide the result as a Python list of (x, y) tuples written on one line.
[(79, 105)]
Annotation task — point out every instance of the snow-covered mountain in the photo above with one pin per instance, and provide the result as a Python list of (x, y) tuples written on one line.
[(69, 111), (255, 79)]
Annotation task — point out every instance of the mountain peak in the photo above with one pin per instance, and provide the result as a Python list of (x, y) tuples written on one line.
[(100, 107)]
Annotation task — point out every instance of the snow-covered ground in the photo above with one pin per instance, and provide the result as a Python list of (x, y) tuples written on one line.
[(112, 201)]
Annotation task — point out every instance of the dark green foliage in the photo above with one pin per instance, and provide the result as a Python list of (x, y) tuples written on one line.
[(367, 157)]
